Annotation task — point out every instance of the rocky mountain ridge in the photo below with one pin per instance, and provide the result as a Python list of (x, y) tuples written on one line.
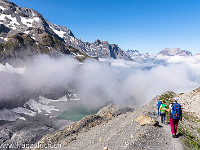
[(46, 36)]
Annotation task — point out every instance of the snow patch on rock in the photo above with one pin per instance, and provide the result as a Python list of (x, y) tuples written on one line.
[(21, 110), (39, 107)]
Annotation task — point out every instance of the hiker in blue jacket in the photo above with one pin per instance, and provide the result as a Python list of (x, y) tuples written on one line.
[(159, 103), (175, 115)]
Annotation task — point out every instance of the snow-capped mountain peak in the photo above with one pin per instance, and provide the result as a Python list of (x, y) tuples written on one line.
[(174, 52)]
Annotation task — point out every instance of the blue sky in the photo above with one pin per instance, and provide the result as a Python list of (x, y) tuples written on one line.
[(145, 25)]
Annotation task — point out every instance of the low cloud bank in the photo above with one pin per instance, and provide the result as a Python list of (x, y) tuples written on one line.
[(97, 82)]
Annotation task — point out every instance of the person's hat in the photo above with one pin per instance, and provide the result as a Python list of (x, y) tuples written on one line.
[(176, 99)]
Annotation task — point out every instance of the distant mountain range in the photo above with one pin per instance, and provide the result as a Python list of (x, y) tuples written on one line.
[(174, 51), (159, 57), (25, 32)]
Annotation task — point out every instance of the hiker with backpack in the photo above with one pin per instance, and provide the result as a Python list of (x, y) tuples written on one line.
[(159, 103), (175, 115), (162, 111)]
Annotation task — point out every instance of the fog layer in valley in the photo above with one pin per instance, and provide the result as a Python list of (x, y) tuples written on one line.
[(97, 82)]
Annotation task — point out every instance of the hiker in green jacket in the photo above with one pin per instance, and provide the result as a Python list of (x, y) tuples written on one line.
[(162, 111)]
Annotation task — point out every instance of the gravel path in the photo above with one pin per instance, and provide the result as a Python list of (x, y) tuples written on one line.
[(175, 142)]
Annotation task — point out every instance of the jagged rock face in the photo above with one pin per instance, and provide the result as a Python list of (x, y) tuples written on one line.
[(100, 49), (103, 49), (175, 51), (15, 19)]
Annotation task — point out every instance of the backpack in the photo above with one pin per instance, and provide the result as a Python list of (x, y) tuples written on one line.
[(176, 111), (161, 108), (159, 103)]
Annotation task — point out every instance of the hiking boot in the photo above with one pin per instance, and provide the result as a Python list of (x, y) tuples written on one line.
[(173, 135)]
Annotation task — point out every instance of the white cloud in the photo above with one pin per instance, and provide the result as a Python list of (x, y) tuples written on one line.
[(97, 82)]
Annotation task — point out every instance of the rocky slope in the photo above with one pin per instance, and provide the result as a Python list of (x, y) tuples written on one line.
[(25, 31), (191, 101), (121, 131)]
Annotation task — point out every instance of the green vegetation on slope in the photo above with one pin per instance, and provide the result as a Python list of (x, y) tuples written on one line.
[(189, 132)]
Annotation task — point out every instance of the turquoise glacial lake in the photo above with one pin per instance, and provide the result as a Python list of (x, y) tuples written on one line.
[(76, 113)]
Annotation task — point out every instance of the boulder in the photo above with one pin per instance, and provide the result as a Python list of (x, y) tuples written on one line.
[(144, 120), (105, 148)]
